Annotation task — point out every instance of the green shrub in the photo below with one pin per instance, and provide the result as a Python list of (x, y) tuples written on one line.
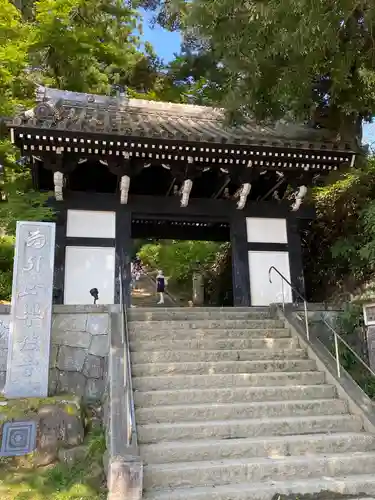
[(178, 259), (350, 319), (6, 266)]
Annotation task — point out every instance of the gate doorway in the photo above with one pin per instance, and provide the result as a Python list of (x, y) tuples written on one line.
[(181, 246)]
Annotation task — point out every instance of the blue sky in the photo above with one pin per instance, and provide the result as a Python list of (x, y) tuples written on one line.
[(369, 134), (166, 44)]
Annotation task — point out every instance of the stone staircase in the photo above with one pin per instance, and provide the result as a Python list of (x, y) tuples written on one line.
[(229, 407)]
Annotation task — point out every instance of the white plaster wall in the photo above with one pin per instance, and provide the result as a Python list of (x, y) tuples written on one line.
[(91, 224), (86, 268), (262, 291), (263, 230)]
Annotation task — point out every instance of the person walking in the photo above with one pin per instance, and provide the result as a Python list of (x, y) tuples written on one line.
[(160, 286)]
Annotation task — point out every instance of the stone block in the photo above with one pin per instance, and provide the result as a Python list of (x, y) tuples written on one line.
[(53, 381), (2, 380), (125, 478), (371, 345), (97, 324), (78, 308), (70, 322), (99, 345), (3, 359), (4, 331), (72, 383), (94, 389), (71, 359), (54, 350), (58, 428), (93, 367), (63, 423), (72, 455), (71, 338)]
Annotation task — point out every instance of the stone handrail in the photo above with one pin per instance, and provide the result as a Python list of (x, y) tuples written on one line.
[(125, 468)]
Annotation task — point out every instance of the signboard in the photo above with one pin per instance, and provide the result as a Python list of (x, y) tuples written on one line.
[(31, 312), (369, 314)]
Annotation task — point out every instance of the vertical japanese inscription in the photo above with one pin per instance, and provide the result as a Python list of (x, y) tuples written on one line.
[(30, 326)]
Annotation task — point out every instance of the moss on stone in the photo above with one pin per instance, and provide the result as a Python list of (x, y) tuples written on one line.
[(15, 409), (83, 478), (321, 495)]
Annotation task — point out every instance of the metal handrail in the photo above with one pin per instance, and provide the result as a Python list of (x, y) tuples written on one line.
[(132, 428), (339, 337), (336, 335), (293, 287)]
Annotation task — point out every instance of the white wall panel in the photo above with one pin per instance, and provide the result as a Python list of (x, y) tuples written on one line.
[(91, 224), (86, 268), (262, 291), (263, 230)]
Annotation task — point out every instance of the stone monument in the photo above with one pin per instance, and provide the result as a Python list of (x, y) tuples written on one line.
[(31, 311)]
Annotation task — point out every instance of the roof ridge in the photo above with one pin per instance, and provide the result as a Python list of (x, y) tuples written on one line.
[(48, 94)]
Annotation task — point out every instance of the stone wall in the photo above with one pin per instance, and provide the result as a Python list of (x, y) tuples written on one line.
[(79, 349)]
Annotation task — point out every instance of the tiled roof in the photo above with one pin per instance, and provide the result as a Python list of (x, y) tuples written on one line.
[(70, 111)]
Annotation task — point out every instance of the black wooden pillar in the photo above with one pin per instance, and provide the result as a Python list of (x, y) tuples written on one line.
[(240, 261), (295, 255), (123, 251), (60, 247)]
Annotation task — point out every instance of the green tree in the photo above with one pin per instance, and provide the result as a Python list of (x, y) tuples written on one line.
[(296, 59), (18, 200), (87, 46), (15, 84), (339, 246)]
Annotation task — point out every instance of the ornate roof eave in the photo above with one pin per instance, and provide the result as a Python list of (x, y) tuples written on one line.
[(39, 141), (70, 113)]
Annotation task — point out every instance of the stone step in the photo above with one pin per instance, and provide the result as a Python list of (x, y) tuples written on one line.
[(198, 334), (268, 490), (216, 367), (224, 309), (246, 428), (215, 473), (213, 344), (216, 355), (194, 314), (229, 395), (205, 324), (232, 411), (176, 382), (278, 446)]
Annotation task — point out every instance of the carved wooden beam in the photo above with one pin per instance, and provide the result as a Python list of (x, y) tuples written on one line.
[(58, 181), (185, 192), (244, 193), (187, 184), (299, 196), (124, 189)]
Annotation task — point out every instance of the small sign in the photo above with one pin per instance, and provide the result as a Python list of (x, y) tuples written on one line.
[(369, 314), (19, 438)]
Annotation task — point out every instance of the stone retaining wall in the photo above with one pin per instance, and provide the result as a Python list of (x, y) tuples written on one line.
[(79, 350)]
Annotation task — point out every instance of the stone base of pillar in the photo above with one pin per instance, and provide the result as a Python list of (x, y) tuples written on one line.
[(125, 478)]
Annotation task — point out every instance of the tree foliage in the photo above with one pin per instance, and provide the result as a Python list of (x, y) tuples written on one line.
[(340, 244), (79, 45), (295, 59), (178, 259), (298, 60), (304, 59)]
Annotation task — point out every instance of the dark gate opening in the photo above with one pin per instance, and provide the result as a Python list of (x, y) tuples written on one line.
[(181, 245)]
